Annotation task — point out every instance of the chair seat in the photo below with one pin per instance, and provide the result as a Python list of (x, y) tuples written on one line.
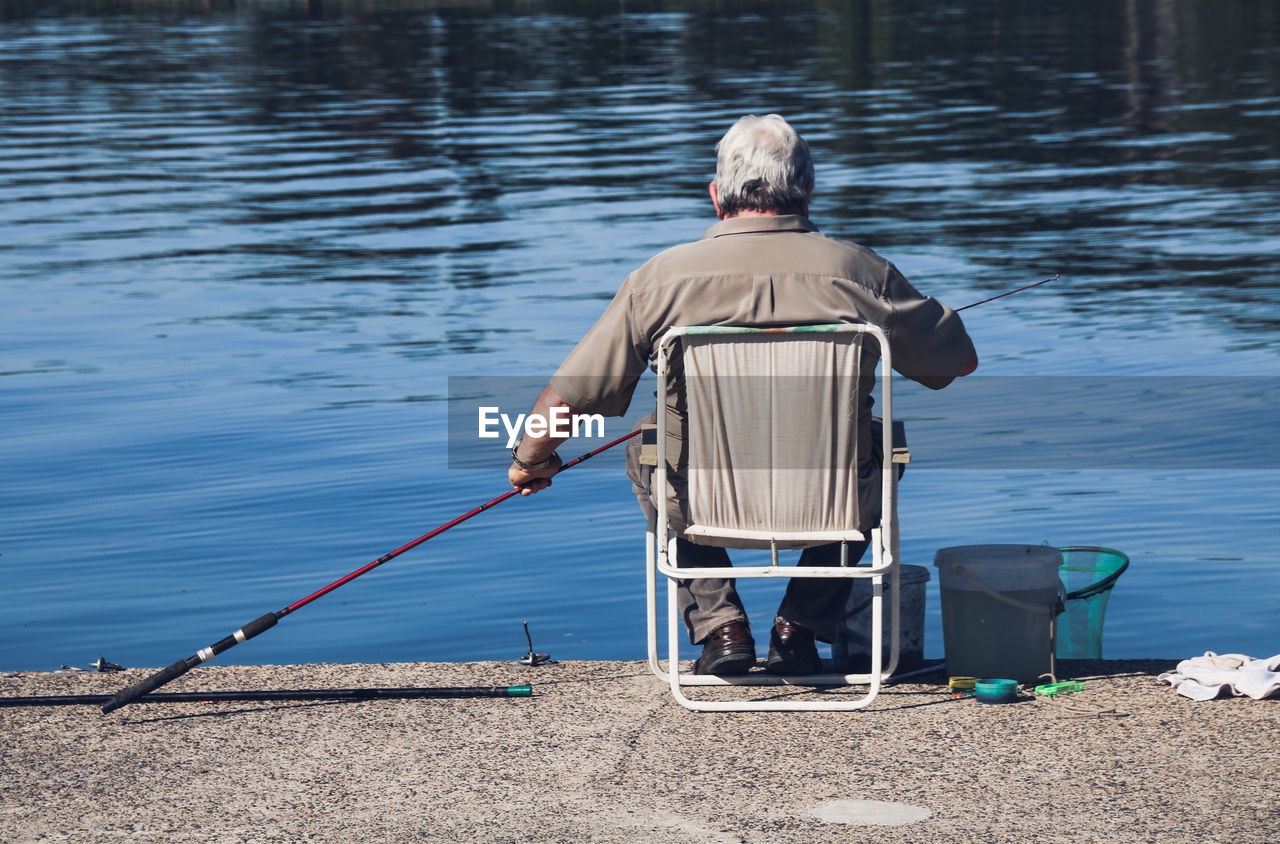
[(770, 538)]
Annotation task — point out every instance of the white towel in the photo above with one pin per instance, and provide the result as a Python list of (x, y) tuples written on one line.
[(1206, 677)]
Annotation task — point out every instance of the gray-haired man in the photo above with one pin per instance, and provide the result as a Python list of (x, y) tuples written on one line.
[(763, 264)]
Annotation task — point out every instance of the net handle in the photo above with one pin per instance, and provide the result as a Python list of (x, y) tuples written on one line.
[(1106, 582)]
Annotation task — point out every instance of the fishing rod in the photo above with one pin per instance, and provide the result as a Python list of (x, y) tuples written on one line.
[(283, 694), (1010, 293), (266, 622)]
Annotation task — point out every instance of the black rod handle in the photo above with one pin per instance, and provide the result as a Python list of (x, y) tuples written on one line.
[(155, 681), (127, 696)]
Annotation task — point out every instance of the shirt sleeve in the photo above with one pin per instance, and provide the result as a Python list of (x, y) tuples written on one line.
[(601, 372), (928, 339)]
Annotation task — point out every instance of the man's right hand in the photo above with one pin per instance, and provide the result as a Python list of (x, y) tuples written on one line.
[(530, 482)]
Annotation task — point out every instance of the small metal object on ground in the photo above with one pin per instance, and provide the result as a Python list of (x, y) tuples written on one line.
[(531, 659)]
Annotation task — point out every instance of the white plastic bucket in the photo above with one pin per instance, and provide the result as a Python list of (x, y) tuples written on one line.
[(996, 604), (851, 650)]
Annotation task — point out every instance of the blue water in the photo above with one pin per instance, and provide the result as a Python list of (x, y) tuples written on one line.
[(243, 250)]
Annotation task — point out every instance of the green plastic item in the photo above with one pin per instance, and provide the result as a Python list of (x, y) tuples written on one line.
[(1088, 574), (1064, 688), (996, 691)]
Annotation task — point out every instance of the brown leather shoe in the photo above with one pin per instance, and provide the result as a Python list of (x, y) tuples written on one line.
[(792, 650), (728, 650)]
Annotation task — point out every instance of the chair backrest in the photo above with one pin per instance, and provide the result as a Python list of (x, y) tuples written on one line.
[(771, 438)]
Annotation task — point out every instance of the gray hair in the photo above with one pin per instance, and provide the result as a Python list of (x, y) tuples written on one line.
[(762, 164)]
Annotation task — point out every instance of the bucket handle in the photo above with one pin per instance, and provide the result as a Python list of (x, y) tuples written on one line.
[(1054, 610)]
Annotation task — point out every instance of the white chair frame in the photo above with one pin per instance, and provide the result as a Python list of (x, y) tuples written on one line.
[(661, 557)]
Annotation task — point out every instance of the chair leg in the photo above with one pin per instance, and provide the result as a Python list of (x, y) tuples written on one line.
[(651, 604), (673, 639), (676, 679)]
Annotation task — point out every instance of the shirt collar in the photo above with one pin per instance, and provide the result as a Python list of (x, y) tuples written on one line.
[(756, 225)]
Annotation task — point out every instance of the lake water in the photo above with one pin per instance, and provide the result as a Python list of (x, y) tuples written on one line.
[(244, 247)]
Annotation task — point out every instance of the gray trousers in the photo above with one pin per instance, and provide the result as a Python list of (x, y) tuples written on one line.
[(707, 603)]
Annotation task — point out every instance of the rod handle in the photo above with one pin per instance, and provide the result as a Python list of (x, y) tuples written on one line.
[(149, 684), (155, 681)]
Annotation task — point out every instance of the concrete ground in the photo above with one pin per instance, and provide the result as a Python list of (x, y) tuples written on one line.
[(601, 752)]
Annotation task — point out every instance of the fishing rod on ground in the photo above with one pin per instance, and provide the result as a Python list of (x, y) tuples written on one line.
[(266, 622), (284, 694)]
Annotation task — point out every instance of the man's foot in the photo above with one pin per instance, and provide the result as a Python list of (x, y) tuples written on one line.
[(792, 650), (728, 650)]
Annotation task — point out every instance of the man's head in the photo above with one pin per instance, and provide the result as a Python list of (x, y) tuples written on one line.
[(762, 167)]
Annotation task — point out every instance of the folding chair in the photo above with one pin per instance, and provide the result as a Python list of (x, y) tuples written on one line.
[(769, 453)]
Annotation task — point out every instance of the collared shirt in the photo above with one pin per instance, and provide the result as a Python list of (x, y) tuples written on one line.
[(759, 271)]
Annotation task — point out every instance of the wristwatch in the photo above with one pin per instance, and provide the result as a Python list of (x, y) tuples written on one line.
[(530, 467)]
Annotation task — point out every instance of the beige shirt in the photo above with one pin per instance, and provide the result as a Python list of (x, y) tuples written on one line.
[(759, 271)]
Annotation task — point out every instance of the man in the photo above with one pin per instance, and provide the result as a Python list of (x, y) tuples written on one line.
[(763, 264)]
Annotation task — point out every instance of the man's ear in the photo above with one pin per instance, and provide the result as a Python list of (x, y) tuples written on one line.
[(715, 199)]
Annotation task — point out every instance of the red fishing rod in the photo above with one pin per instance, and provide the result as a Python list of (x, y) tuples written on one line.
[(266, 622)]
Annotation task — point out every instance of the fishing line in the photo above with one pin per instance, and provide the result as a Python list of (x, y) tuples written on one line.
[(1009, 293)]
